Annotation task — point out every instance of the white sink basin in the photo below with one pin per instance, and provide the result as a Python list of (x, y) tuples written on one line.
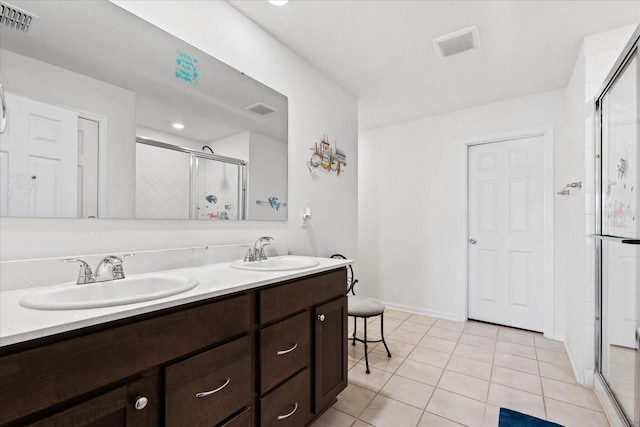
[(279, 263), (105, 294)]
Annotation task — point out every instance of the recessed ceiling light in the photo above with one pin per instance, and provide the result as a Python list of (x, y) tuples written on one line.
[(278, 2), (178, 125)]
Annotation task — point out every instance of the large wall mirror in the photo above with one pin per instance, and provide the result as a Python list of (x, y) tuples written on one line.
[(108, 116)]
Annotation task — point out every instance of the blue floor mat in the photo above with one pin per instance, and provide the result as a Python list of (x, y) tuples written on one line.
[(509, 418)]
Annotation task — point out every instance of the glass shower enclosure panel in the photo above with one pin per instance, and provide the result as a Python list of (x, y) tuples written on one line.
[(619, 233), (163, 182), (218, 190)]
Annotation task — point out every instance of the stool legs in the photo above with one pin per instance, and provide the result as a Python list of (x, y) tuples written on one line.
[(355, 327), (366, 341), (366, 350), (382, 334)]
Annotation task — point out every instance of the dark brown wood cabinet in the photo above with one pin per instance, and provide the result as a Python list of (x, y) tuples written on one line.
[(253, 358), (285, 348), (330, 351), (206, 389), (135, 404), (290, 404)]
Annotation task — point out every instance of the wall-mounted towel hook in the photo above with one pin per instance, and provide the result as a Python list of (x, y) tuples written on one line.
[(566, 191)]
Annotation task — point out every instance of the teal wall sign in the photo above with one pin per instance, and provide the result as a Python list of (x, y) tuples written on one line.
[(186, 67)]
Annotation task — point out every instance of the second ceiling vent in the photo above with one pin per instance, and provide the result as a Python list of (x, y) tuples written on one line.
[(260, 108), (457, 42)]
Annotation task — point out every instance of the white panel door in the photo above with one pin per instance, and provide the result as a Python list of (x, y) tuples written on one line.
[(506, 233), (39, 160)]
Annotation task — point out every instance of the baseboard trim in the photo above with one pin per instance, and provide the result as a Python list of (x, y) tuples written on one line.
[(433, 313), (576, 372)]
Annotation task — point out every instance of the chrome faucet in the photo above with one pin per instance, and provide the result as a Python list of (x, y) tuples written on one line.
[(256, 253), (109, 268)]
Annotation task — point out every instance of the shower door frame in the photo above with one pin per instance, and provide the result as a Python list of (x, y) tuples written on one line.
[(193, 167), (630, 50)]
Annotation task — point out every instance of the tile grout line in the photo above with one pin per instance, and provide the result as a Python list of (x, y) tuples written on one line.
[(444, 368)]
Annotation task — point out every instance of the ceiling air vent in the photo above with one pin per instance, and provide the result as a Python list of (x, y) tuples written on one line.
[(456, 42), (16, 18), (260, 108)]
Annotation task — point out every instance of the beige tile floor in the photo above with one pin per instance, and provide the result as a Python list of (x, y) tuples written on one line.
[(445, 373)]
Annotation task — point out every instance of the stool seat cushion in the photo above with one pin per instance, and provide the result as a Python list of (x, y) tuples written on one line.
[(360, 306)]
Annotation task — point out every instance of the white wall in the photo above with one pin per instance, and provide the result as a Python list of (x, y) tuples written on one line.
[(411, 226), (316, 106), (411, 217), (266, 177), (570, 221)]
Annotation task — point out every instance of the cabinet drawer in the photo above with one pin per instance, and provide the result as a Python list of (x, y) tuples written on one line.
[(243, 419), (108, 409), (289, 404), (222, 379), (69, 368), (284, 350), (281, 301)]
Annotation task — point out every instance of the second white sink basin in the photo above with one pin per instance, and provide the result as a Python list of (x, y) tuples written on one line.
[(278, 263), (111, 293)]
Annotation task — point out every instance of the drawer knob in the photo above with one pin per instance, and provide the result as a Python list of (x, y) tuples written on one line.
[(321, 317), (141, 403), (207, 393), (285, 416), (289, 350)]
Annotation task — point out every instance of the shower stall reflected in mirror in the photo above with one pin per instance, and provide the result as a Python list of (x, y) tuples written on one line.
[(618, 234), (177, 183)]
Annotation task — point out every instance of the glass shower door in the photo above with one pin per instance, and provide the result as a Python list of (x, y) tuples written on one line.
[(619, 230)]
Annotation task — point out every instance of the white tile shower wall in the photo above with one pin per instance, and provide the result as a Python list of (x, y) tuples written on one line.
[(162, 183), (35, 273)]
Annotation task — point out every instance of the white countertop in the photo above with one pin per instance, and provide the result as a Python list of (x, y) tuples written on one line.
[(19, 324)]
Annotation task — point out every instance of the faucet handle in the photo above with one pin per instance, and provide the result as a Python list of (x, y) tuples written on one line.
[(110, 268), (249, 257), (261, 256), (85, 275)]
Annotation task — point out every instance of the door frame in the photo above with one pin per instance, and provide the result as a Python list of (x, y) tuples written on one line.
[(547, 133), (103, 159)]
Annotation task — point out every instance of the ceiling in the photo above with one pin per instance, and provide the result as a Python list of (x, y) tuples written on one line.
[(381, 51)]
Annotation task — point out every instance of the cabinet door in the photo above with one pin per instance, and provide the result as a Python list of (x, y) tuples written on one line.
[(331, 352), (125, 406)]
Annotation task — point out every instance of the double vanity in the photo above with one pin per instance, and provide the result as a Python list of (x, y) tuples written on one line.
[(257, 343)]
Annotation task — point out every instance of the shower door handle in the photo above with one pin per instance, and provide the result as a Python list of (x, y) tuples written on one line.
[(3, 110)]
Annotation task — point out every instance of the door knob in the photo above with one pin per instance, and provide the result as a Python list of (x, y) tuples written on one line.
[(473, 241), (321, 317)]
